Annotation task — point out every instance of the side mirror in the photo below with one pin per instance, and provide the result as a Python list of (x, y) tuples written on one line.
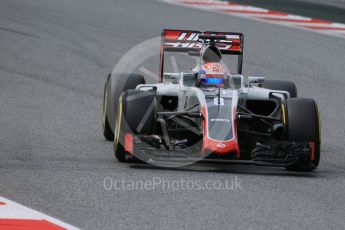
[(235, 81), (255, 79), (173, 78)]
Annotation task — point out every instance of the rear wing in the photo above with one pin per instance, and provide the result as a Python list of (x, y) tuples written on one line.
[(189, 41)]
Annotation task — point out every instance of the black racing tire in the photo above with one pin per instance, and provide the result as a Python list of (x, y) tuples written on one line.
[(288, 86), (107, 132), (131, 81), (136, 115), (303, 126)]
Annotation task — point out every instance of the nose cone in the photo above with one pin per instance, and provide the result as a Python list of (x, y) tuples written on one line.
[(220, 147), (219, 133)]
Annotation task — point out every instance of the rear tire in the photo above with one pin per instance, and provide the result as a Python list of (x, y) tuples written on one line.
[(129, 81), (288, 86), (303, 126), (136, 115)]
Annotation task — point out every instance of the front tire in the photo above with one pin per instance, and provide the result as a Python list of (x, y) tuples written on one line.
[(107, 132), (136, 115), (111, 96), (303, 126)]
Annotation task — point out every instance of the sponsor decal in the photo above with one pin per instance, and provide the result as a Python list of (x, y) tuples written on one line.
[(178, 39), (221, 145), (218, 101), (220, 120)]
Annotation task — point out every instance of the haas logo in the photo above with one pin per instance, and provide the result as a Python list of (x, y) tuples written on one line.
[(221, 145)]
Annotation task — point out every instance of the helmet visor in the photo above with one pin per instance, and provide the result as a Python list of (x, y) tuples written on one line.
[(212, 81)]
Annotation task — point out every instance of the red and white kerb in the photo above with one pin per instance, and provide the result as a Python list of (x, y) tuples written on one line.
[(14, 216), (261, 14)]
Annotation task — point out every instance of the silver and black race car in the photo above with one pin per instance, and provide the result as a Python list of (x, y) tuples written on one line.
[(188, 118)]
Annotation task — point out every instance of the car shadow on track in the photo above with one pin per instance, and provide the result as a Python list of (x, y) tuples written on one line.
[(231, 169)]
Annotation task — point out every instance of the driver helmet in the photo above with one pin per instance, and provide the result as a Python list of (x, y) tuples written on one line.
[(212, 74)]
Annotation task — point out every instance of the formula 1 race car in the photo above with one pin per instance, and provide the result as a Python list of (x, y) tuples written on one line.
[(210, 113)]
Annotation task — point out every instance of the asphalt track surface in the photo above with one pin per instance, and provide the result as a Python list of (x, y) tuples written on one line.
[(53, 158), (327, 10), (336, 3)]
